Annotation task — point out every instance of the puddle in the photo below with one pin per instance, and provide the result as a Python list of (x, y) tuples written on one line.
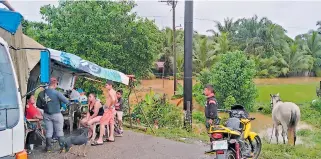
[(267, 133)]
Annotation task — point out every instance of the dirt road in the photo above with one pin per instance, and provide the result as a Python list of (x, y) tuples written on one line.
[(135, 145)]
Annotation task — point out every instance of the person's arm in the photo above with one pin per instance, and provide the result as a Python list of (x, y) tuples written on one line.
[(62, 98), (120, 103), (38, 116), (113, 98), (212, 109)]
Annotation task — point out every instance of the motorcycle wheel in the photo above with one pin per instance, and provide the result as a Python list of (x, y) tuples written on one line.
[(230, 155), (257, 147)]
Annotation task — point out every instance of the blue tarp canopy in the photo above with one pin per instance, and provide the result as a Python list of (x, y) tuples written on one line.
[(79, 65), (10, 20)]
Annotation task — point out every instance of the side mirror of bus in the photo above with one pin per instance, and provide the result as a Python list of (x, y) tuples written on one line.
[(44, 67)]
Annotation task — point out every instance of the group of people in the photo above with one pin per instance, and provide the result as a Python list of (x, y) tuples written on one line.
[(104, 115), (47, 109)]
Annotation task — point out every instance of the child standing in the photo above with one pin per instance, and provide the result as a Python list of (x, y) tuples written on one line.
[(119, 109)]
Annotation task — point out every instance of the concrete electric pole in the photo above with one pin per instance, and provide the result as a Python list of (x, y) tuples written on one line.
[(188, 59)]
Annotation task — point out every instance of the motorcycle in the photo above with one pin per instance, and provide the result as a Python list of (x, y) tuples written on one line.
[(234, 139)]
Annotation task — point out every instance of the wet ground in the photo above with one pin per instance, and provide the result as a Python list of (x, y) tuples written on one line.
[(135, 145), (266, 133)]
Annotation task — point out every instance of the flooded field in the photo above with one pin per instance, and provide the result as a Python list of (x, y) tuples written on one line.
[(262, 124), (167, 86), (292, 80)]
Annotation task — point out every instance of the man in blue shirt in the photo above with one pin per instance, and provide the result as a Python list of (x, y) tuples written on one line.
[(49, 100)]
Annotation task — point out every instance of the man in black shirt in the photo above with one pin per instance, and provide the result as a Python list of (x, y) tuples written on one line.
[(119, 109), (211, 106)]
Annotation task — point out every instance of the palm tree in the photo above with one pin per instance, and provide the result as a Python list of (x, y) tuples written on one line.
[(319, 24), (298, 60), (226, 27), (222, 44), (204, 53)]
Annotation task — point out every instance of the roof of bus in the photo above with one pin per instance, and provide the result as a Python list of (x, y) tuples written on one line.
[(10, 20)]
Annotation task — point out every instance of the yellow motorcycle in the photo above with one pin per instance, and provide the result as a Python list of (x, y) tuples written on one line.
[(234, 139)]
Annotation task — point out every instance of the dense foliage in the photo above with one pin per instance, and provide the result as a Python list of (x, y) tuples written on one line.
[(111, 35), (275, 54), (104, 32), (157, 108), (232, 78)]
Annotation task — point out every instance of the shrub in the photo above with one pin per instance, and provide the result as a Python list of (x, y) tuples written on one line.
[(198, 117), (316, 104), (157, 107), (204, 76), (233, 76), (229, 101)]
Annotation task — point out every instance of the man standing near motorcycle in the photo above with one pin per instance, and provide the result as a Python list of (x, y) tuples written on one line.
[(211, 106)]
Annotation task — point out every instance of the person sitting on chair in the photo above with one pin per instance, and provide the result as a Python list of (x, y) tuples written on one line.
[(95, 112), (32, 112), (108, 117)]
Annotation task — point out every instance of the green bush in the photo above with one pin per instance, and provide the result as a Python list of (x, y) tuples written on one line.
[(316, 104), (318, 72), (204, 76), (157, 107), (233, 76), (229, 101), (198, 117)]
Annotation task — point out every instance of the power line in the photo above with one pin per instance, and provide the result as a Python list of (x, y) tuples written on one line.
[(204, 19)]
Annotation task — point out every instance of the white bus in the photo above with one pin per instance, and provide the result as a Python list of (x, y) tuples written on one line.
[(12, 131)]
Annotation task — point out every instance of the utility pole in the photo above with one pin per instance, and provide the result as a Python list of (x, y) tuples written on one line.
[(173, 3), (188, 42)]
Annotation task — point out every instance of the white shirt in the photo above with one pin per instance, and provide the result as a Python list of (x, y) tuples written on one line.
[(83, 98), (75, 95)]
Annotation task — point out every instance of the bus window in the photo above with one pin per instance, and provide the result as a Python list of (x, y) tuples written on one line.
[(9, 105)]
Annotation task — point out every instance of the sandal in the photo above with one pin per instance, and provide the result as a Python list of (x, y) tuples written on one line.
[(96, 144), (107, 140)]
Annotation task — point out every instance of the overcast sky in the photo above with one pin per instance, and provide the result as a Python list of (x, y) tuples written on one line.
[(296, 17)]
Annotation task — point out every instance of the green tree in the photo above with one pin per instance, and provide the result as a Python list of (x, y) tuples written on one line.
[(104, 32), (297, 60), (310, 43), (233, 77), (167, 54), (204, 54)]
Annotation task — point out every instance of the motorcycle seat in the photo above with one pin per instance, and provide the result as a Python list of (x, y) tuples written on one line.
[(234, 124)]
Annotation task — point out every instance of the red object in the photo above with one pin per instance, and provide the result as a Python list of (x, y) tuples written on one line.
[(31, 111), (217, 135), (237, 148), (220, 152)]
